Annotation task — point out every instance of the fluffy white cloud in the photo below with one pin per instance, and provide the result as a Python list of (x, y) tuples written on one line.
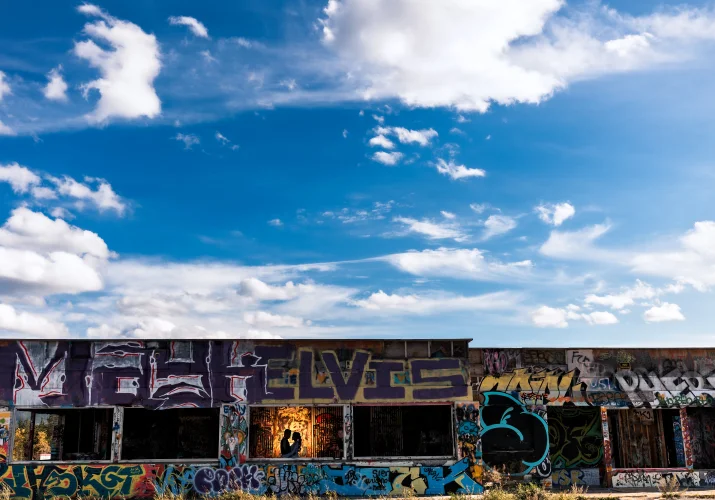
[(467, 55), (43, 256), (56, 88), (258, 290), (624, 299), (28, 230), (555, 214), (478, 208), (556, 317), (448, 215), (692, 262), (386, 158), (498, 224), (600, 318), (128, 69), (103, 197), (576, 245), (4, 86), (451, 169), (407, 136), (263, 319), (549, 317), (196, 27), (432, 230), (435, 302), (20, 178), (381, 141), (458, 263), (275, 222), (664, 312), (24, 324)]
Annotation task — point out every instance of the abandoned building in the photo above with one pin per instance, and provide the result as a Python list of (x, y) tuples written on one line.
[(131, 418)]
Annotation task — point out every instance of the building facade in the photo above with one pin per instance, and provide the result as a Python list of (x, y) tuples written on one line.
[(132, 418)]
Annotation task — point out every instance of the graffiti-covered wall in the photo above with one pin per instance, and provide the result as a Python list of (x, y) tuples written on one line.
[(371, 417)]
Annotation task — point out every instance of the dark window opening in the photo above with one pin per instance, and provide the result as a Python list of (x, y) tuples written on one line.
[(646, 438), (701, 422), (403, 431), (179, 433), (63, 435), (320, 429), (575, 437)]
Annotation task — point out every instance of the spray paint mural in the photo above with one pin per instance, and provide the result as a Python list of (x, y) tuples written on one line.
[(550, 415)]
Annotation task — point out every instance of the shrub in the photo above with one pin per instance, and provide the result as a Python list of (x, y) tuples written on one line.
[(497, 494), (530, 491), (669, 488)]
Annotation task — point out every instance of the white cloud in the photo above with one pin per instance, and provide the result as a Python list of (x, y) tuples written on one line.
[(448, 215), (208, 57), (4, 86), (577, 245), (289, 83), (664, 312), (222, 138), (386, 158), (20, 178), (6, 129), (258, 290), (498, 224), (692, 262), (196, 27), (44, 256), (468, 55), (24, 324), (262, 319), (127, 70), (555, 317), (624, 299), (275, 222), (458, 263), (435, 302), (103, 197), (555, 214), (43, 193), (478, 207), (549, 317), (189, 140), (345, 133), (600, 318), (56, 88), (432, 230), (455, 171), (382, 142), (61, 213), (28, 230), (407, 136)]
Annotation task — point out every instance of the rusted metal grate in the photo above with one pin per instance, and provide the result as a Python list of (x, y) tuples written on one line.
[(261, 432), (327, 431)]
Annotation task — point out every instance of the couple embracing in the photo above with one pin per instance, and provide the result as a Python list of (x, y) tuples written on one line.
[(289, 450)]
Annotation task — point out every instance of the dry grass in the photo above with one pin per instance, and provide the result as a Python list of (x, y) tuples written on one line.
[(669, 488)]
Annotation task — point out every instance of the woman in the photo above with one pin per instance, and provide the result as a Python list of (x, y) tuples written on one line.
[(295, 447)]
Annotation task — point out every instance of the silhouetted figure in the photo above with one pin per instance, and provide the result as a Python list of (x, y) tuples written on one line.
[(295, 447), (285, 444)]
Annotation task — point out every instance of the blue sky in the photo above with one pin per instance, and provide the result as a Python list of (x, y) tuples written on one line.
[(533, 173)]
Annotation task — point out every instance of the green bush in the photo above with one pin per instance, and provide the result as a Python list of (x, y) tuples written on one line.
[(530, 491)]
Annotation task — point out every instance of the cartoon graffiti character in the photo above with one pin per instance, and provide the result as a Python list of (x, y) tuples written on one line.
[(511, 432)]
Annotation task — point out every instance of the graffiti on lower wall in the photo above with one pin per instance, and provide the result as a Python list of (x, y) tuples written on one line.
[(34, 482), (653, 479), (575, 437), (575, 477), (514, 435)]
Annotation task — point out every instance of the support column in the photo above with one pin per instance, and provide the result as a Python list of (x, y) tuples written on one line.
[(347, 432), (233, 435), (607, 459), (685, 429), (5, 428), (543, 470), (117, 433)]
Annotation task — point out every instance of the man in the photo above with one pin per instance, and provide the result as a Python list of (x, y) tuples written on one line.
[(285, 444), (295, 447)]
